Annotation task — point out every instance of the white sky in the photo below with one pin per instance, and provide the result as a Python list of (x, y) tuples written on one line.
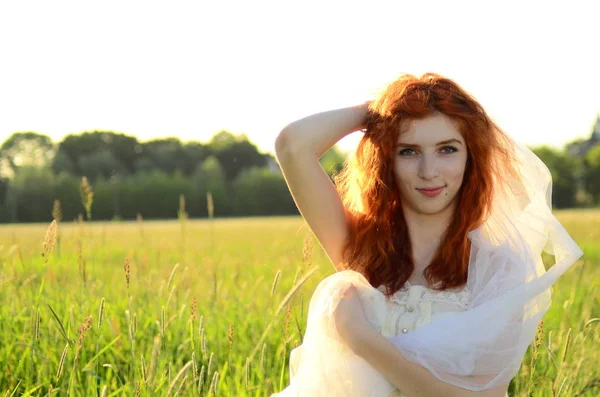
[(191, 68)]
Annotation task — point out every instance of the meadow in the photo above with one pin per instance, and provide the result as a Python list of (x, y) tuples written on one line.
[(214, 307)]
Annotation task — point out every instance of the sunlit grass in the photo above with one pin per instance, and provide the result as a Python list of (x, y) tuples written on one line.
[(145, 339)]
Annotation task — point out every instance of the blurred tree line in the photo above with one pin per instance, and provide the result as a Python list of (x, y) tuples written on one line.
[(129, 177)]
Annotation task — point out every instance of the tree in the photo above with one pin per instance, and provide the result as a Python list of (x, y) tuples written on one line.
[(163, 154), (565, 171), (169, 155), (258, 191), (66, 190), (118, 151), (4, 186), (210, 177), (25, 149), (33, 190), (195, 154), (235, 153), (332, 160), (592, 173), (102, 163), (154, 195)]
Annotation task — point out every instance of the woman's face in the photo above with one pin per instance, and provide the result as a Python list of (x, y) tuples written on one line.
[(430, 160)]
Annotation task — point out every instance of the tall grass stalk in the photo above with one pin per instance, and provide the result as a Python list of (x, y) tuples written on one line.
[(87, 197), (179, 375), (49, 240)]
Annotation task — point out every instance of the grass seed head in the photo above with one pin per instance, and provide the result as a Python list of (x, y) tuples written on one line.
[(50, 240), (214, 384), (201, 379), (307, 250), (247, 373), (286, 322), (144, 373), (86, 325), (194, 365), (539, 336), (37, 325), (275, 281), (230, 334), (193, 308), (62, 362), (127, 268), (178, 392), (101, 313), (155, 352), (134, 323), (87, 196), (203, 342), (57, 211), (567, 345), (210, 363)]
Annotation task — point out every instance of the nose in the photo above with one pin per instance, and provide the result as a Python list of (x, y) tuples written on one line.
[(428, 167)]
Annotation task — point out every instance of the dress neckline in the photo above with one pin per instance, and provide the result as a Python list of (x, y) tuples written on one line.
[(409, 284)]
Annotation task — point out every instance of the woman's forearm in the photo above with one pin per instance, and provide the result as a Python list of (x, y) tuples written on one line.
[(410, 378), (319, 132)]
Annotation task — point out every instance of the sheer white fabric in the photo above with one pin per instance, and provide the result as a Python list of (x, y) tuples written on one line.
[(477, 348), (411, 307)]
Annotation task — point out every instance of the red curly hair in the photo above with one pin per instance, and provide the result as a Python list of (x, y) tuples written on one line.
[(378, 244)]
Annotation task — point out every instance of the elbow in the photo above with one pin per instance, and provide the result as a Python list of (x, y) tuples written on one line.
[(282, 141), (285, 143), (293, 141)]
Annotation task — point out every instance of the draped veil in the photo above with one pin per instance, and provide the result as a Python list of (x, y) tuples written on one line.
[(480, 348)]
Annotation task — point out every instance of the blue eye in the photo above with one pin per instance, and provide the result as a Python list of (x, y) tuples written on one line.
[(406, 152), (411, 152), (452, 149)]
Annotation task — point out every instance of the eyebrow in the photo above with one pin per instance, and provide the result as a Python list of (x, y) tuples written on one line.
[(437, 144)]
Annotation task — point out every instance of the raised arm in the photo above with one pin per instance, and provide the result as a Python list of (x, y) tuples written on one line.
[(298, 148)]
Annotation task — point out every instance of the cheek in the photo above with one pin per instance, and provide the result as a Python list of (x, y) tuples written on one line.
[(454, 174), (454, 170), (404, 174)]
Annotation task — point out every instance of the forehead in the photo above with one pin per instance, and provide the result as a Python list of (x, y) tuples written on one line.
[(430, 130)]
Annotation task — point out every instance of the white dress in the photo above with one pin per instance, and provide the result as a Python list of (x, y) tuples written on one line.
[(415, 305), (411, 307)]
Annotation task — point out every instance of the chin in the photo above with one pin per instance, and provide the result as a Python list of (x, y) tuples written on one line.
[(430, 211), (432, 208)]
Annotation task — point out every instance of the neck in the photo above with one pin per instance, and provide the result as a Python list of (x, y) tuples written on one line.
[(425, 232)]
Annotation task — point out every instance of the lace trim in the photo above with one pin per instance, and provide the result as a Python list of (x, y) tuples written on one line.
[(458, 298)]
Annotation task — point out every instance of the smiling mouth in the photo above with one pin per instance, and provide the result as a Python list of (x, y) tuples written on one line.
[(431, 192), (431, 189)]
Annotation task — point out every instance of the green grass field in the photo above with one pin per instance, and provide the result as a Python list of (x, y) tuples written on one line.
[(202, 308)]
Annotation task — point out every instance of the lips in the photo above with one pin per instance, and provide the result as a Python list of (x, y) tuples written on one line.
[(431, 192)]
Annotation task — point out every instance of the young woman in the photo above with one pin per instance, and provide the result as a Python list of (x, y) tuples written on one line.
[(436, 227)]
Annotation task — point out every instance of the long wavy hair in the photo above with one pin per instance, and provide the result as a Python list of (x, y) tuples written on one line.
[(378, 244)]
